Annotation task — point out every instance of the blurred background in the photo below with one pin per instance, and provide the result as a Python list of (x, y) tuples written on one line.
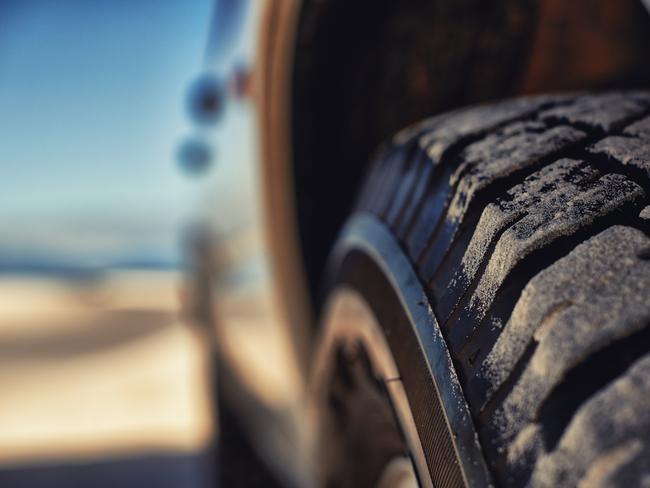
[(105, 374)]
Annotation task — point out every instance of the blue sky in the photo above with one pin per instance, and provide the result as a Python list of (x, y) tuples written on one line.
[(92, 110)]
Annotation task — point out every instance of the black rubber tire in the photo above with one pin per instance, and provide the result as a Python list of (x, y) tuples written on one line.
[(527, 222)]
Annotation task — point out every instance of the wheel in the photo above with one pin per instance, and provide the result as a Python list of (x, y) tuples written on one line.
[(496, 271)]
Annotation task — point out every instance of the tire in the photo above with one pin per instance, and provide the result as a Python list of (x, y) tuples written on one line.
[(525, 227)]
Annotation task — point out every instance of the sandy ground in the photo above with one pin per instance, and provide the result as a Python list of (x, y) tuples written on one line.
[(100, 372)]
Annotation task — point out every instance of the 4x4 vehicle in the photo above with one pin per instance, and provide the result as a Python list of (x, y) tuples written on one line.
[(466, 289)]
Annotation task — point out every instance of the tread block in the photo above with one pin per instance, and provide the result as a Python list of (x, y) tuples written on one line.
[(632, 149), (608, 439), (438, 134), (602, 113), (570, 310)]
